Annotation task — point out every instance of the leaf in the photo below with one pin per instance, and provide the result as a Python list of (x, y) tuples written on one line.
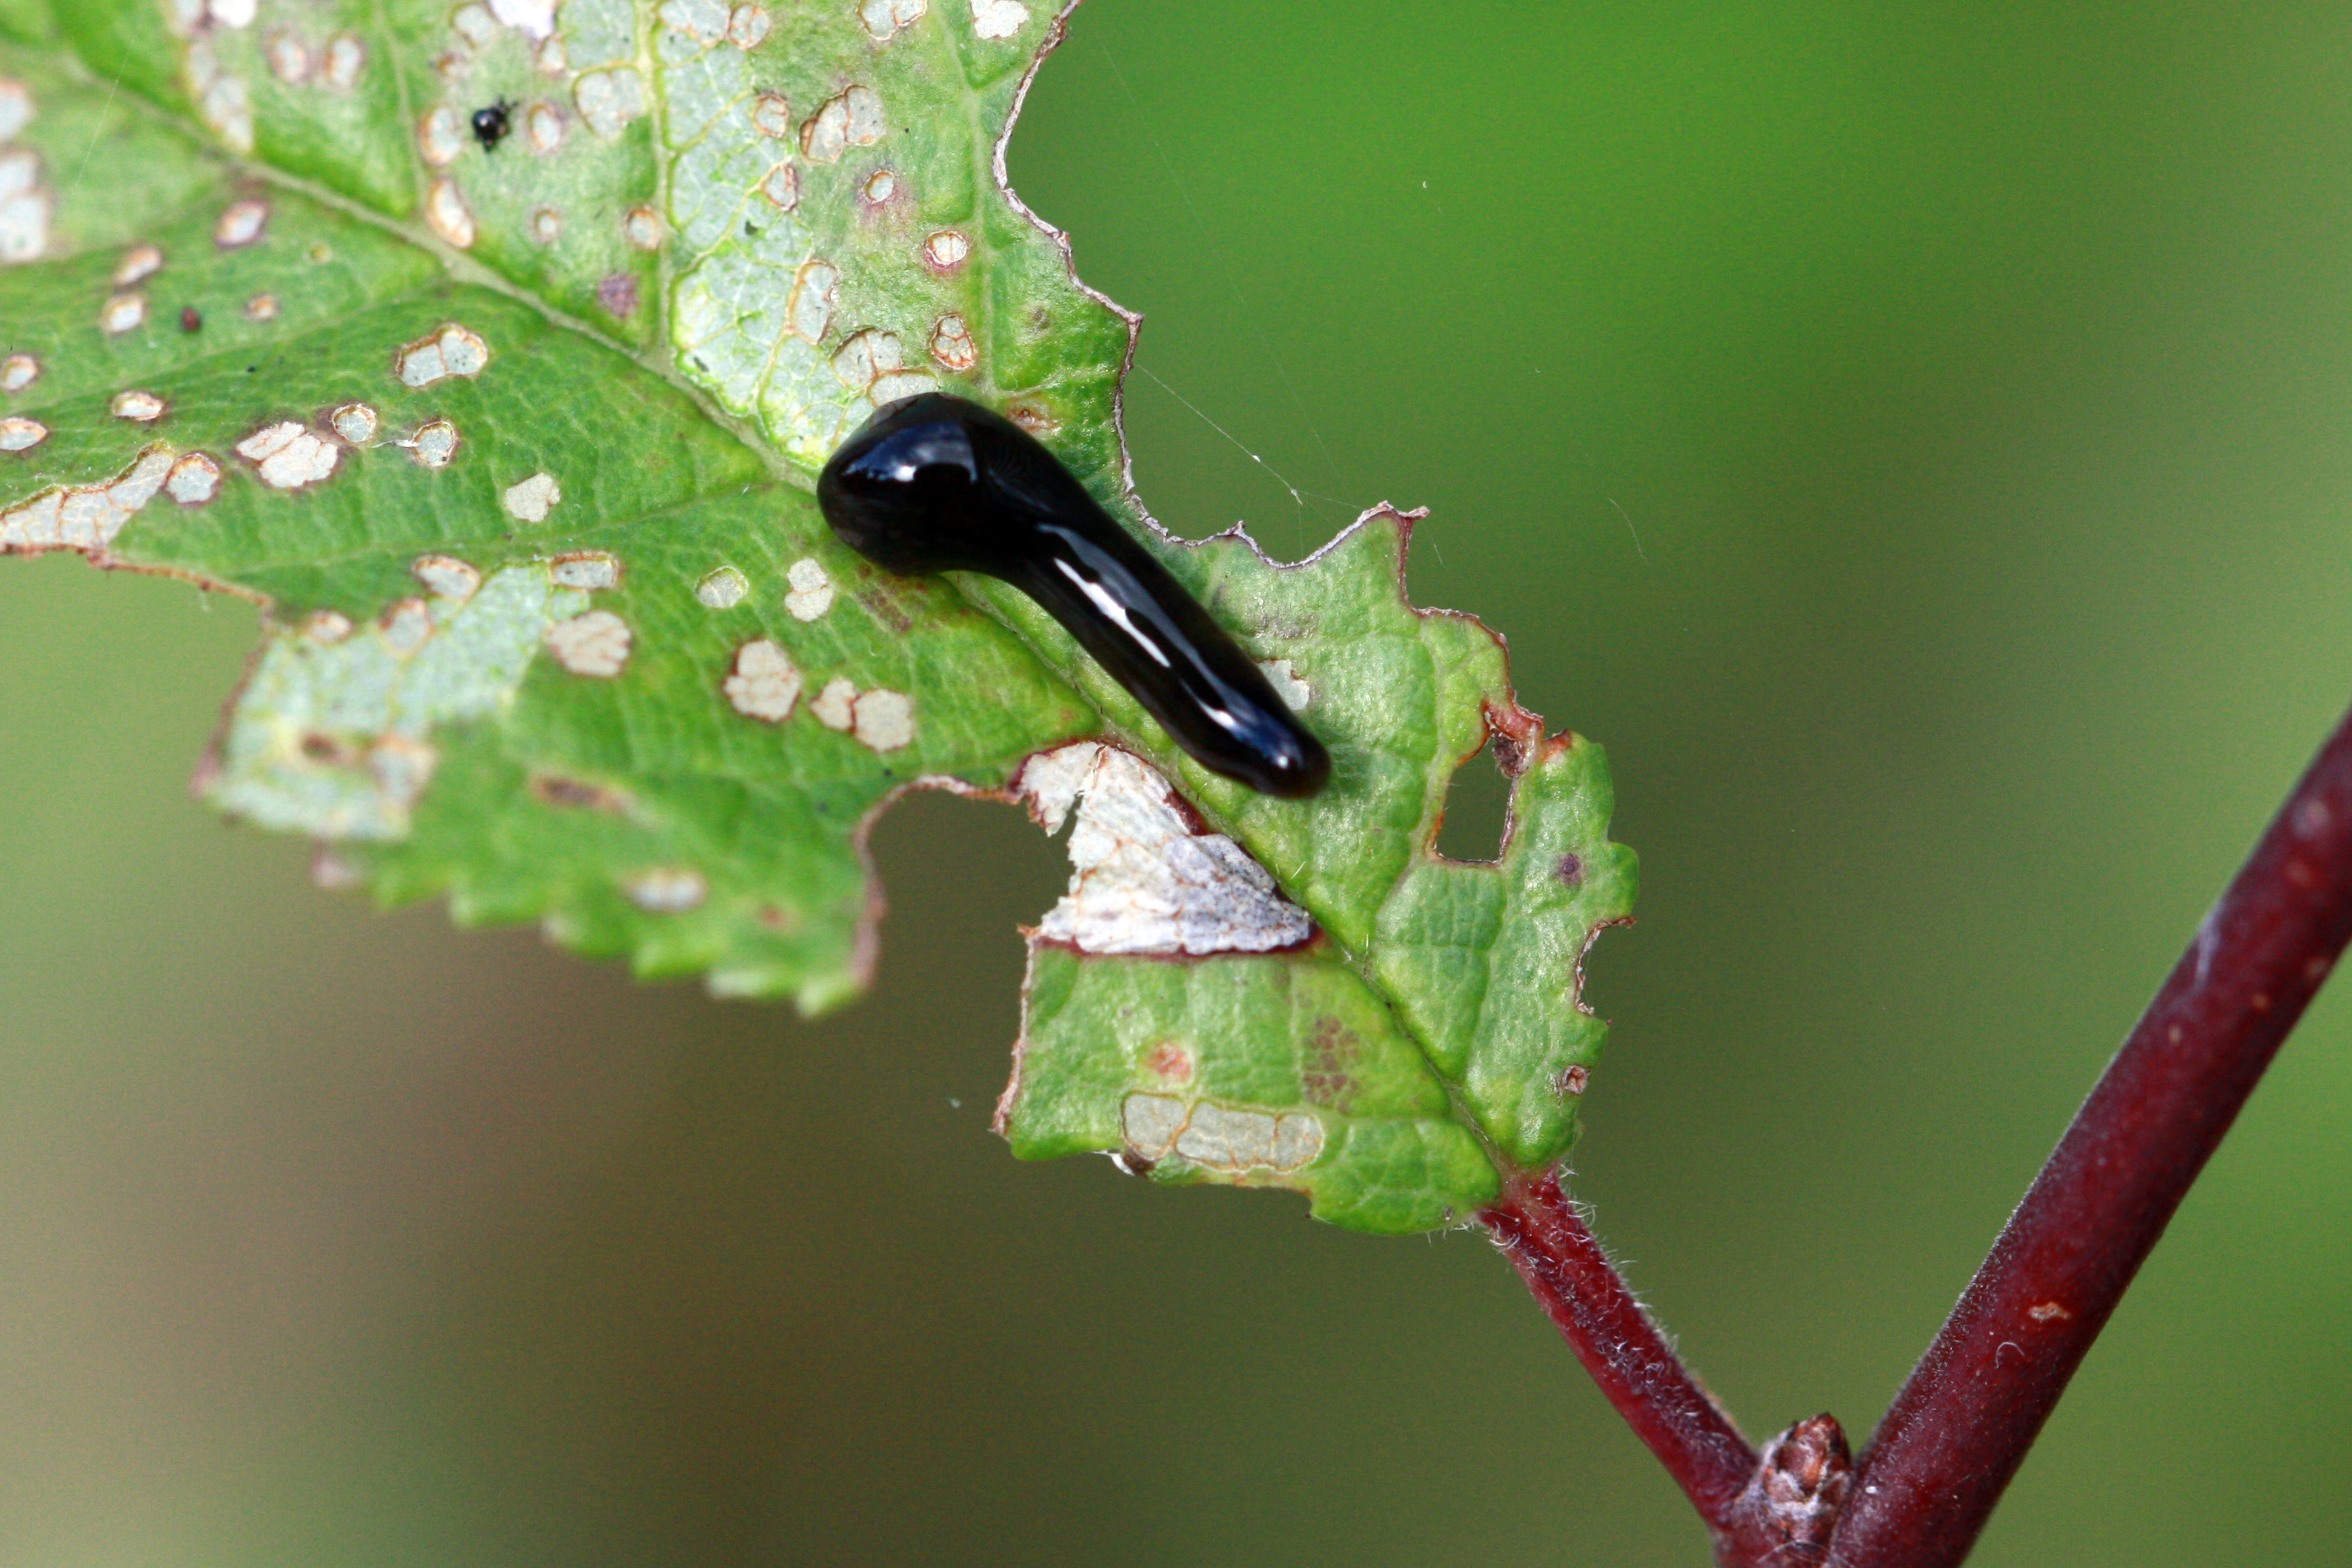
[(492, 349)]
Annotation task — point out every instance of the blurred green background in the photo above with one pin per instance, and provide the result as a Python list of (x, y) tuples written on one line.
[(1917, 441)]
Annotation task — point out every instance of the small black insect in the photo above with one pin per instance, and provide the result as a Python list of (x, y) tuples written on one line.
[(491, 124), (933, 483)]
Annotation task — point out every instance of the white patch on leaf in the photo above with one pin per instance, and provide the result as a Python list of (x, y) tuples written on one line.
[(882, 18), (534, 19), (18, 434), (406, 626), (440, 136), (355, 423), (446, 576), (86, 517), (946, 250), (771, 115), (139, 263), (835, 706), (24, 206), (783, 187), (331, 736), (883, 720), (811, 589), (666, 890), (953, 344), (435, 445), (531, 499), (289, 59), (764, 683), (16, 107), (474, 23), (140, 407), (287, 456), (1141, 878), (748, 25), (588, 570), (346, 58), (609, 99), (241, 222), (447, 215), (998, 18), (594, 644), (193, 479), (722, 589), (1294, 693), (451, 351), (1222, 1138), (123, 313), (852, 119)]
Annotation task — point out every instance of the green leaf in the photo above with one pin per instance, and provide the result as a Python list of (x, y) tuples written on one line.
[(512, 438)]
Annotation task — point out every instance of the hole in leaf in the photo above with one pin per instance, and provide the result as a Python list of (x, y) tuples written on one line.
[(1476, 803)]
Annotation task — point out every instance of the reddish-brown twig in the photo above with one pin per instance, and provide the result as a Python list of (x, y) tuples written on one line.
[(1580, 1290), (1963, 1423)]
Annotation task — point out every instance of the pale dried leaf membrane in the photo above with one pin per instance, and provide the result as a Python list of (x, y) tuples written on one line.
[(531, 499), (241, 222), (452, 350), (86, 517), (609, 99), (596, 643), (722, 589), (1220, 1138), (590, 569), (139, 263), (1142, 879), (764, 683), (288, 455), (811, 589), (25, 207), (330, 735), (998, 18), (668, 889), (16, 107)]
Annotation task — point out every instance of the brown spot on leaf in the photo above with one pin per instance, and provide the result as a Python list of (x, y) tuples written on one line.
[(887, 603), (1171, 1061), (329, 749), (552, 789), (1572, 1081), (1326, 1070), (1570, 870)]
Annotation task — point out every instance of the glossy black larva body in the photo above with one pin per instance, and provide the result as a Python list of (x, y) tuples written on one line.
[(491, 124), (936, 484)]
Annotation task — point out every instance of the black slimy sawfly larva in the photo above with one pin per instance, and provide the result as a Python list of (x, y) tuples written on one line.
[(933, 483)]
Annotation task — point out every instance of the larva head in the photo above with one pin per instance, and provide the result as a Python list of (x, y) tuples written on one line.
[(933, 483)]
